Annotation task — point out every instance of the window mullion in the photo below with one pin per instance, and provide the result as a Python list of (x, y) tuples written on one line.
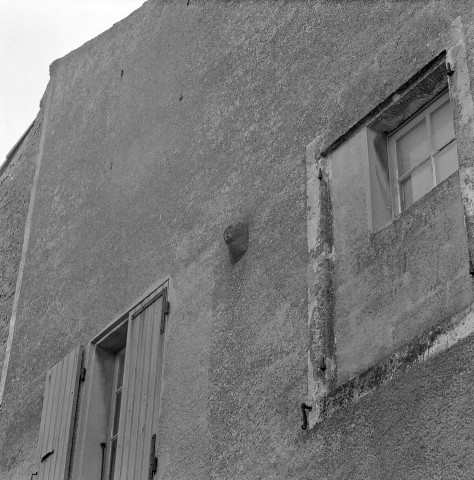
[(444, 146), (431, 146), (393, 176), (402, 178)]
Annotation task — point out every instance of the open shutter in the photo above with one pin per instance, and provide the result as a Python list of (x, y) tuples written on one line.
[(141, 395), (57, 419)]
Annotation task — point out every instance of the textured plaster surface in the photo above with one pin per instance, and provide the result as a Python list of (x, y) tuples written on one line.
[(177, 122), (15, 187)]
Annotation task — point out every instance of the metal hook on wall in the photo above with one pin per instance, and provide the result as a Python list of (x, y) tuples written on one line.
[(305, 407)]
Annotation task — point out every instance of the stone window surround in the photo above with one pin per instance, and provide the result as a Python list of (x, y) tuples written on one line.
[(323, 394)]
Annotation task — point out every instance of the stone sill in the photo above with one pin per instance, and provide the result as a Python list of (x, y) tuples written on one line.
[(438, 339)]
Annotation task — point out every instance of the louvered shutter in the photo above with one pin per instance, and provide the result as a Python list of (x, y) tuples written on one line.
[(141, 396), (57, 419)]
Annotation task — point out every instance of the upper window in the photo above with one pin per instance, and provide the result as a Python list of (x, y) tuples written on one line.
[(422, 153), (385, 197)]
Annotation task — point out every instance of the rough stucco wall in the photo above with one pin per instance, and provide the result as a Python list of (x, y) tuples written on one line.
[(393, 284), (142, 172), (15, 188)]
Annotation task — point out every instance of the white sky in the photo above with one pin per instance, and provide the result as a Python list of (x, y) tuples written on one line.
[(33, 33)]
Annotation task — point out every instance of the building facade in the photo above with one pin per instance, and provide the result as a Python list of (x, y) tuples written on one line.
[(335, 139)]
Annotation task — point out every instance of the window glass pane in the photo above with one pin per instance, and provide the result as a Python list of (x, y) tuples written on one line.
[(442, 130), (418, 184), (412, 148), (446, 162), (120, 364), (118, 401), (113, 454)]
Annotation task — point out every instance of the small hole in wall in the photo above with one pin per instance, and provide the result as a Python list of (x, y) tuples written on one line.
[(180, 97)]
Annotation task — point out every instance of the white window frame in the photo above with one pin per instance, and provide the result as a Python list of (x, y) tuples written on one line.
[(395, 179)]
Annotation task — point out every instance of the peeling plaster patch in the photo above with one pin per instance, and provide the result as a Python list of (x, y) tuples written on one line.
[(433, 342)]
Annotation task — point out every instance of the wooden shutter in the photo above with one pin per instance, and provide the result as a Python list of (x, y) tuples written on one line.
[(57, 419), (141, 395)]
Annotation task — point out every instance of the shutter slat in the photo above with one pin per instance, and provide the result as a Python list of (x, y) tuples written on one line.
[(137, 448), (125, 394), (127, 417), (135, 412), (65, 405), (154, 378), (132, 410), (57, 419), (48, 447), (58, 413), (144, 417), (45, 416), (49, 417), (121, 430)]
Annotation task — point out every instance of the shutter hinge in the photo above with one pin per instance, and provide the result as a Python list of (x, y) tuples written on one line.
[(153, 467), (305, 407), (449, 69), (82, 376), (103, 446), (165, 310), (46, 455), (471, 267)]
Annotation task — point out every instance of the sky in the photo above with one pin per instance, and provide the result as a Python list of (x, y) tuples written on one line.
[(34, 33)]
